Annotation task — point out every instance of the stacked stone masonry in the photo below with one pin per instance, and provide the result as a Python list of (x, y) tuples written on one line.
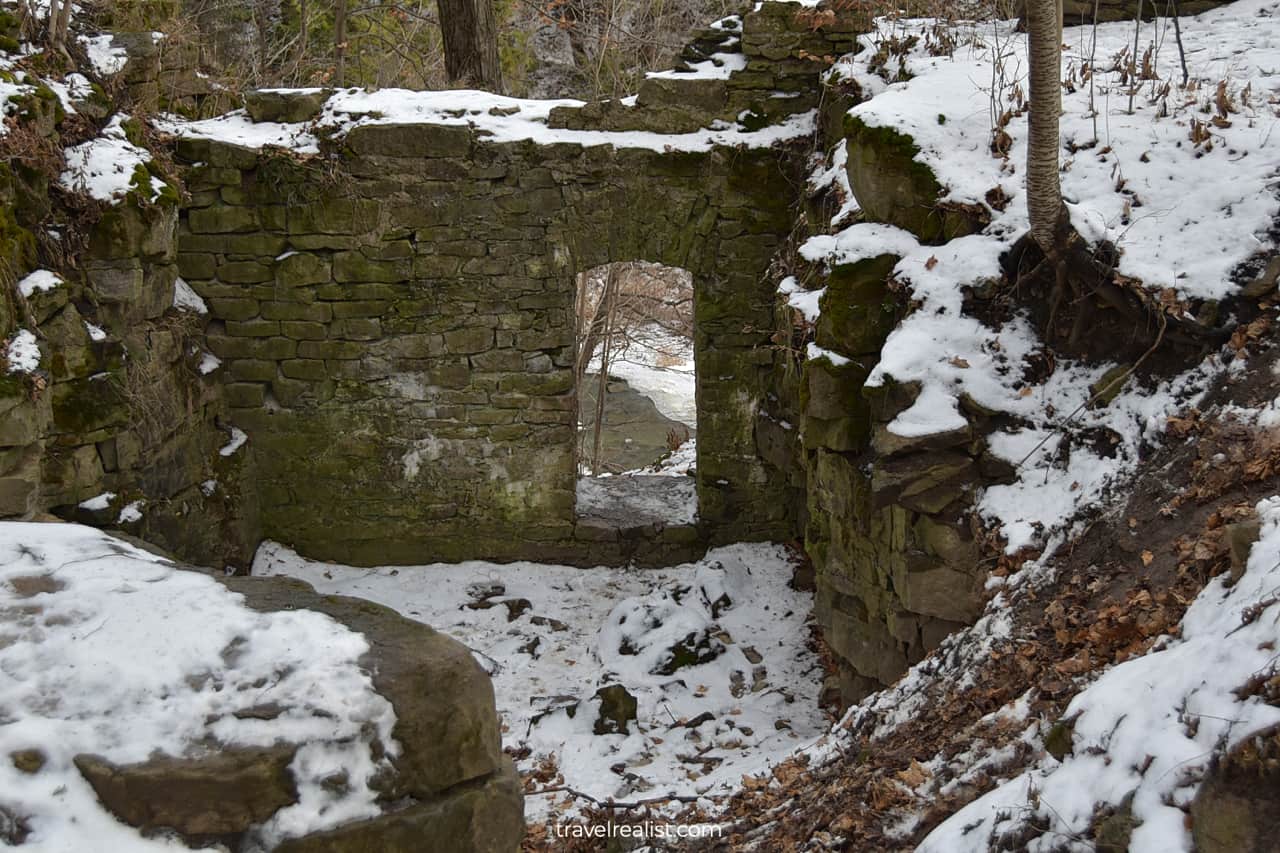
[(397, 342), (395, 319)]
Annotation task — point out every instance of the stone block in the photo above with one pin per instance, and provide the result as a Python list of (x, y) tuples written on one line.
[(245, 395), (233, 309), (307, 369), (354, 266), (255, 328), (315, 312), (243, 272), (270, 349), (340, 350), (196, 265), (252, 369), (334, 216), (469, 340), (303, 268), (357, 329), (411, 140), (301, 330), (359, 308), (222, 219), (285, 106)]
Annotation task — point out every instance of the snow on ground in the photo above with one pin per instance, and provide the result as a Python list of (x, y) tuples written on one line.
[(496, 117), (76, 87), (238, 436), (9, 94), (156, 677), (186, 299), (637, 498), (659, 365), (1183, 215), (718, 67), (109, 167), (1149, 725), (40, 280), (553, 635), (106, 58), (1056, 479)]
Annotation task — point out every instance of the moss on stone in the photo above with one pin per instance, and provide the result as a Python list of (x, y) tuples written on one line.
[(858, 312)]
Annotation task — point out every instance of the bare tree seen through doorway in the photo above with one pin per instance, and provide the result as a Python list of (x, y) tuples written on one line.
[(630, 313)]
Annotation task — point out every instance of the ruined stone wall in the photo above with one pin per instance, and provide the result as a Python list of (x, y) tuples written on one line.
[(397, 334), (885, 520), (117, 408), (396, 316)]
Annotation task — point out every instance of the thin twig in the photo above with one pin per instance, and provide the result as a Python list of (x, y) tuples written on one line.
[(626, 806)]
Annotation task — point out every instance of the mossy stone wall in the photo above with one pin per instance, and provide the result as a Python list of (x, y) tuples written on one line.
[(117, 404), (397, 332)]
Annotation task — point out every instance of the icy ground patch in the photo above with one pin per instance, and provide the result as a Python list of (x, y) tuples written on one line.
[(552, 636), (107, 649)]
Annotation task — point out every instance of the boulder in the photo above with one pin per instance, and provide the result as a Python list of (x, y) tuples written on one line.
[(1235, 810), (445, 718), (893, 187), (482, 817), (223, 793), (451, 789)]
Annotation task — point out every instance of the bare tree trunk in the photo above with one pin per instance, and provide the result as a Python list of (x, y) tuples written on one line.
[(596, 327), (602, 390), (1044, 189), (53, 22), (62, 25), (340, 44), (470, 36)]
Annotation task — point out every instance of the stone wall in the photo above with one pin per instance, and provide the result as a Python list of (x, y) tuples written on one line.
[(117, 404), (885, 520), (396, 317), (397, 340)]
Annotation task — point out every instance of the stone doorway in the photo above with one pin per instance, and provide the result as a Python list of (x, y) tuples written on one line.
[(636, 449)]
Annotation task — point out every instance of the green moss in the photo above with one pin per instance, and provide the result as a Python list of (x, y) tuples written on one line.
[(133, 132), (39, 105), (753, 120), (1058, 741), (9, 44), (17, 244), (888, 142), (858, 311)]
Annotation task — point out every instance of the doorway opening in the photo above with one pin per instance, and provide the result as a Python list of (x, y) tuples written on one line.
[(637, 408)]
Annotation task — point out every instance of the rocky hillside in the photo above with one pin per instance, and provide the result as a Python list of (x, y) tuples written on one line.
[(1039, 518)]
